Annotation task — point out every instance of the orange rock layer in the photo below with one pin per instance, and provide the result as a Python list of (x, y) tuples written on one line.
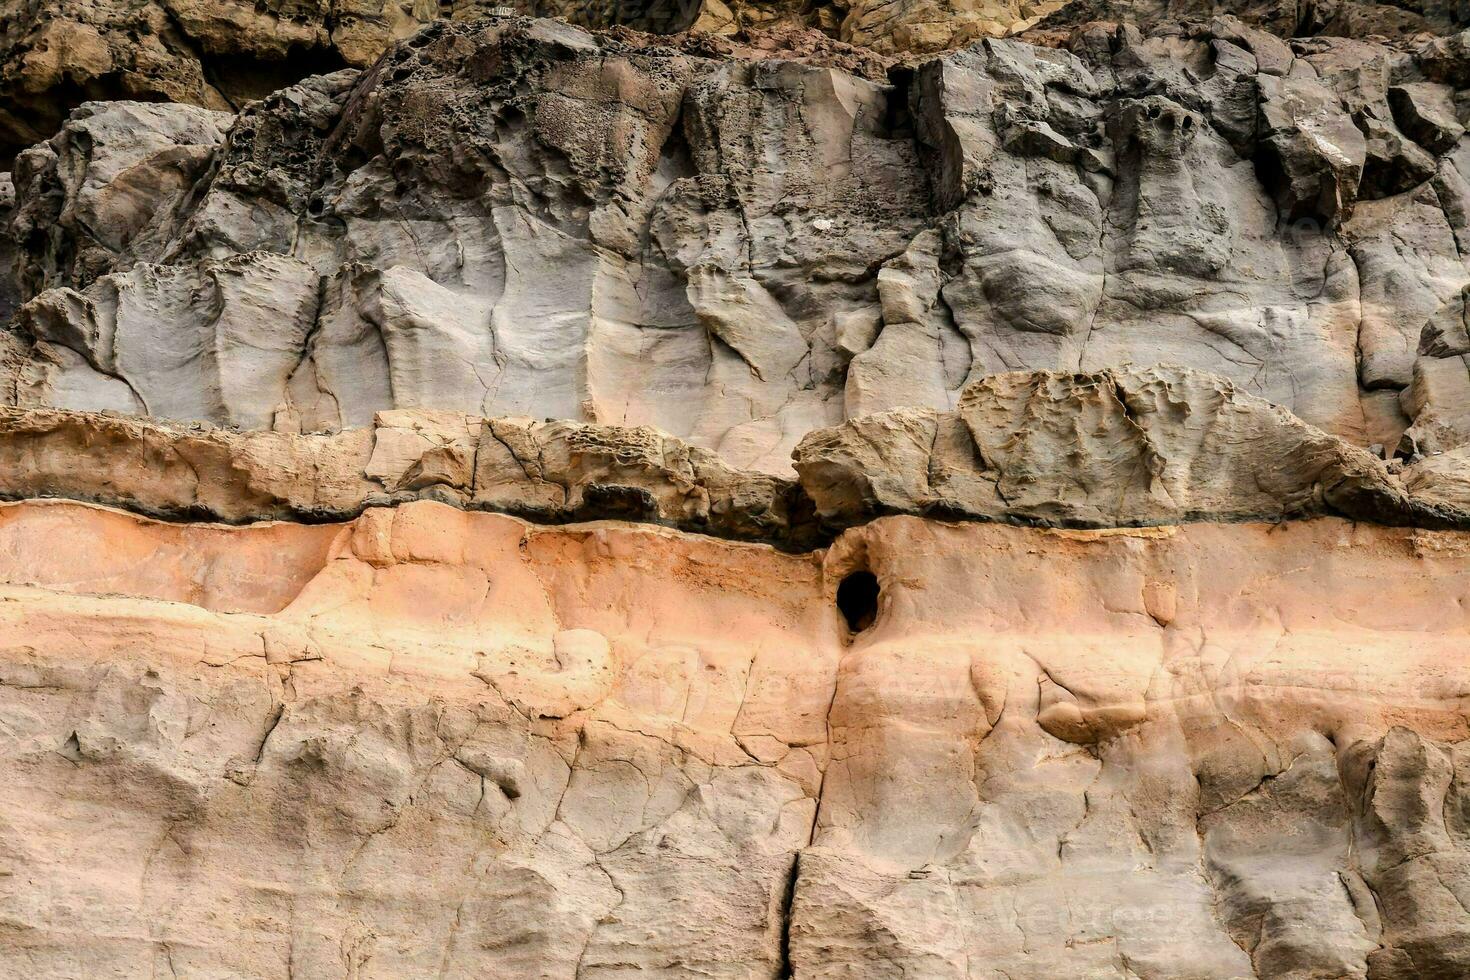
[(437, 743)]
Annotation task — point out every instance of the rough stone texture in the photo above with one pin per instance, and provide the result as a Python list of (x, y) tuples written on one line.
[(107, 186), (220, 54), (1114, 449), (786, 499), (518, 217), (9, 293), (430, 743), (553, 472), (1284, 18)]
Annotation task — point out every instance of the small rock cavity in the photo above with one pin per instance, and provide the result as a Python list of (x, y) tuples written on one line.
[(857, 599)]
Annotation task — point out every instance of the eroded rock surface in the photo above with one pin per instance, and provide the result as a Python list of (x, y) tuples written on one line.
[(221, 54), (434, 743), (1113, 449), (552, 472), (1116, 448), (519, 217), (796, 497)]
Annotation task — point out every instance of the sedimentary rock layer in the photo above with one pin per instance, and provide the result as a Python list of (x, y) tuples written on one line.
[(502, 499), (516, 217), (431, 743), (1118, 448)]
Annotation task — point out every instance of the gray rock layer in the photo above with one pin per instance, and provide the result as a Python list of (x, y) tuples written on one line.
[(518, 217)]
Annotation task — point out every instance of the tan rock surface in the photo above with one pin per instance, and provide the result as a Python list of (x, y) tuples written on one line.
[(1129, 446), (552, 472), (1113, 449), (431, 743), (791, 498)]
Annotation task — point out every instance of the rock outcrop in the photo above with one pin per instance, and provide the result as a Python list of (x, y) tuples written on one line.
[(793, 497), (550, 472), (434, 743), (1160, 446), (221, 54), (1113, 449), (518, 217)]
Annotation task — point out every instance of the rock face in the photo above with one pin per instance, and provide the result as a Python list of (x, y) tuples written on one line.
[(552, 472), (1117, 449), (518, 217), (797, 497), (1284, 18), (432, 743), (221, 54), (1114, 449)]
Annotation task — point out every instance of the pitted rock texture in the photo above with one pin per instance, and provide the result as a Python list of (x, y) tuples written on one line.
[(220, 54), (217, 54), (518, 217), (431, 743), (9, 290)]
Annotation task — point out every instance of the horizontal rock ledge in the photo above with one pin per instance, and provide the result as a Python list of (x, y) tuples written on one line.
[(1116, 448)]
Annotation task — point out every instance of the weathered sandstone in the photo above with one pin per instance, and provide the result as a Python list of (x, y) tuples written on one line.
[(551, 472), (1113, 449), (430, 743), (735, 489), (514, 217)]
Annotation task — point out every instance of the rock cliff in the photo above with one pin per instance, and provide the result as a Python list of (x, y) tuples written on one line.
[(736, 489), (430, 743), (517, 217)]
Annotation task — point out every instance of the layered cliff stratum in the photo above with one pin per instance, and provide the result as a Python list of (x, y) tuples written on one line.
[(843, 489)]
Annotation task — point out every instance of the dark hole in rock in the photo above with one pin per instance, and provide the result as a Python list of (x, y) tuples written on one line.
[(608, 501), (244, 77), (650, 16), (857, 598)]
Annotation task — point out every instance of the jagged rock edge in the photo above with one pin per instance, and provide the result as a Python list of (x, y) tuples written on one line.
[(557, 473)]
